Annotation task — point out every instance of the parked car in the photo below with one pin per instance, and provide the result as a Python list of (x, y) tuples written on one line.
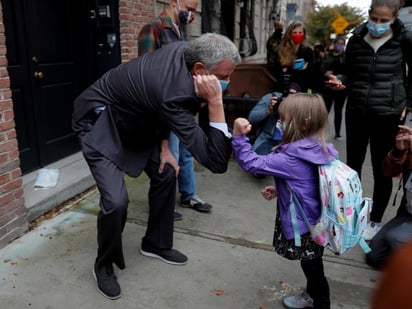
[(405, 14)]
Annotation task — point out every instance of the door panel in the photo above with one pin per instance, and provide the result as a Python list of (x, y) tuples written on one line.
[(50, 61)]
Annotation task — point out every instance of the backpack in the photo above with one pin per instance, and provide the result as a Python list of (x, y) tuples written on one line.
[(344, 213)]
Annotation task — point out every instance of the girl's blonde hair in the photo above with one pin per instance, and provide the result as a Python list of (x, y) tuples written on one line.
[(303, 115), (286, 49)]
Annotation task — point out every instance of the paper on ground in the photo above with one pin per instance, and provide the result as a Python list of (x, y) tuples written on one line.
[(46, 179)]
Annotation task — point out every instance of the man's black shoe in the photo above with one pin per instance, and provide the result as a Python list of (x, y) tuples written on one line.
[(196, 203), (170, 256), (106, 282)]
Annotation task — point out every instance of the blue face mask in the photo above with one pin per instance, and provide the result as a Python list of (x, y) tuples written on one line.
[(378, 30), (277, 136), (223, 84)]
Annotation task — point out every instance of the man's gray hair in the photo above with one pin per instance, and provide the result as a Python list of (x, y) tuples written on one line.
[(210, 49)]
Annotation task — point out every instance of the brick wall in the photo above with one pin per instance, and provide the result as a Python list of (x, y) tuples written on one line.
[(133, 14), (13, 215)]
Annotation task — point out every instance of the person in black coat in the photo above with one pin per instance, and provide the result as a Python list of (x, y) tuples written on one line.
[(378, 89), (334, 63), (121, 120), (293, 63)]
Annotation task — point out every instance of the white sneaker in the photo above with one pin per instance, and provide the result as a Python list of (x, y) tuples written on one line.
[(371, 230)]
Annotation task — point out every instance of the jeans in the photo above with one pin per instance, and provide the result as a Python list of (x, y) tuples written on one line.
[(394, 233), (186, 179)]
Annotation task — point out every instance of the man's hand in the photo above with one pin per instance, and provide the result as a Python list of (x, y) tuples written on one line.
[(241, 126), (208, 88), (272, 103), (166, 156), (269, 192)]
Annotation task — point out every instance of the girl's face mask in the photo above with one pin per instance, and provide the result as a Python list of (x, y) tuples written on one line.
[(297, 37)]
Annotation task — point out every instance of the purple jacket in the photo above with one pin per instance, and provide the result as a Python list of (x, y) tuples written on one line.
[(295, 165)]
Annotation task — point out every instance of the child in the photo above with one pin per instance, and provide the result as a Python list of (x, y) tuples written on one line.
[(293, 164)]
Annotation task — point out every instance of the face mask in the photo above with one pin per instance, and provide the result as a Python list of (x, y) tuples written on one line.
[(185, 17), (278, 131), (297, 37), (224, 84), (378, 30), (339, 48)]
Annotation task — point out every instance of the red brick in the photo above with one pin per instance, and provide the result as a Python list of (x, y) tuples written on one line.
[(5, 178), (11, 186)]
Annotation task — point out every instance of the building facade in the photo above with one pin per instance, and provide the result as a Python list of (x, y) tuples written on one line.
[(42, 71)]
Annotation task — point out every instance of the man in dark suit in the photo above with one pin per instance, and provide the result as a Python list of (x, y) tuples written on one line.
[(120, 121)]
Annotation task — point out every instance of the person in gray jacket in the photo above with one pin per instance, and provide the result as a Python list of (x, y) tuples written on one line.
[(121, 120), (264, 115), (376, 82)]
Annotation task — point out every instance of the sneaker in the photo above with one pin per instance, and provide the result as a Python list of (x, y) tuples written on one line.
[(302, 300), (178, 216), (371, 230), (170, 256), (106, 282), (196, 203), (338, 137)]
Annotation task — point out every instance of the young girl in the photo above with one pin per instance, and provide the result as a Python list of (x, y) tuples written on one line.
[(293, 164)]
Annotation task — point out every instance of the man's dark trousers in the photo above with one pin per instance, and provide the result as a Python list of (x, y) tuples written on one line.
[(114, 202)]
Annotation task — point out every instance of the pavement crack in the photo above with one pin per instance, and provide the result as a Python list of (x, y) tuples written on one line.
[(213, 236)]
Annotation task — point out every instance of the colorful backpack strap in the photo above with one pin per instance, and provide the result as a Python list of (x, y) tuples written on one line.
[(364, 245), (294, 201)]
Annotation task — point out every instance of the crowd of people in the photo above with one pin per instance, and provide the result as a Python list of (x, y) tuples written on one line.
[(135, 120)]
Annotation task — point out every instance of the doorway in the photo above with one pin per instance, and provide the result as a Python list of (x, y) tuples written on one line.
[(52, 56)]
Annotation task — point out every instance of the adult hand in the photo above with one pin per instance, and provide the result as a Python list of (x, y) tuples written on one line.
[(278, 24), (272, 103), (404, 138), (208, 88), (241, 126), (403, 115), (269, 192), (334, 83), (166, 156)]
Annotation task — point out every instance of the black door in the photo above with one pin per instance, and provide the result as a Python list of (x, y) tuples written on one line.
[(50, 61)]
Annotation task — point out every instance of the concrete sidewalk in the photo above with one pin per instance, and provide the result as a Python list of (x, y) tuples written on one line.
[(231, 260)]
